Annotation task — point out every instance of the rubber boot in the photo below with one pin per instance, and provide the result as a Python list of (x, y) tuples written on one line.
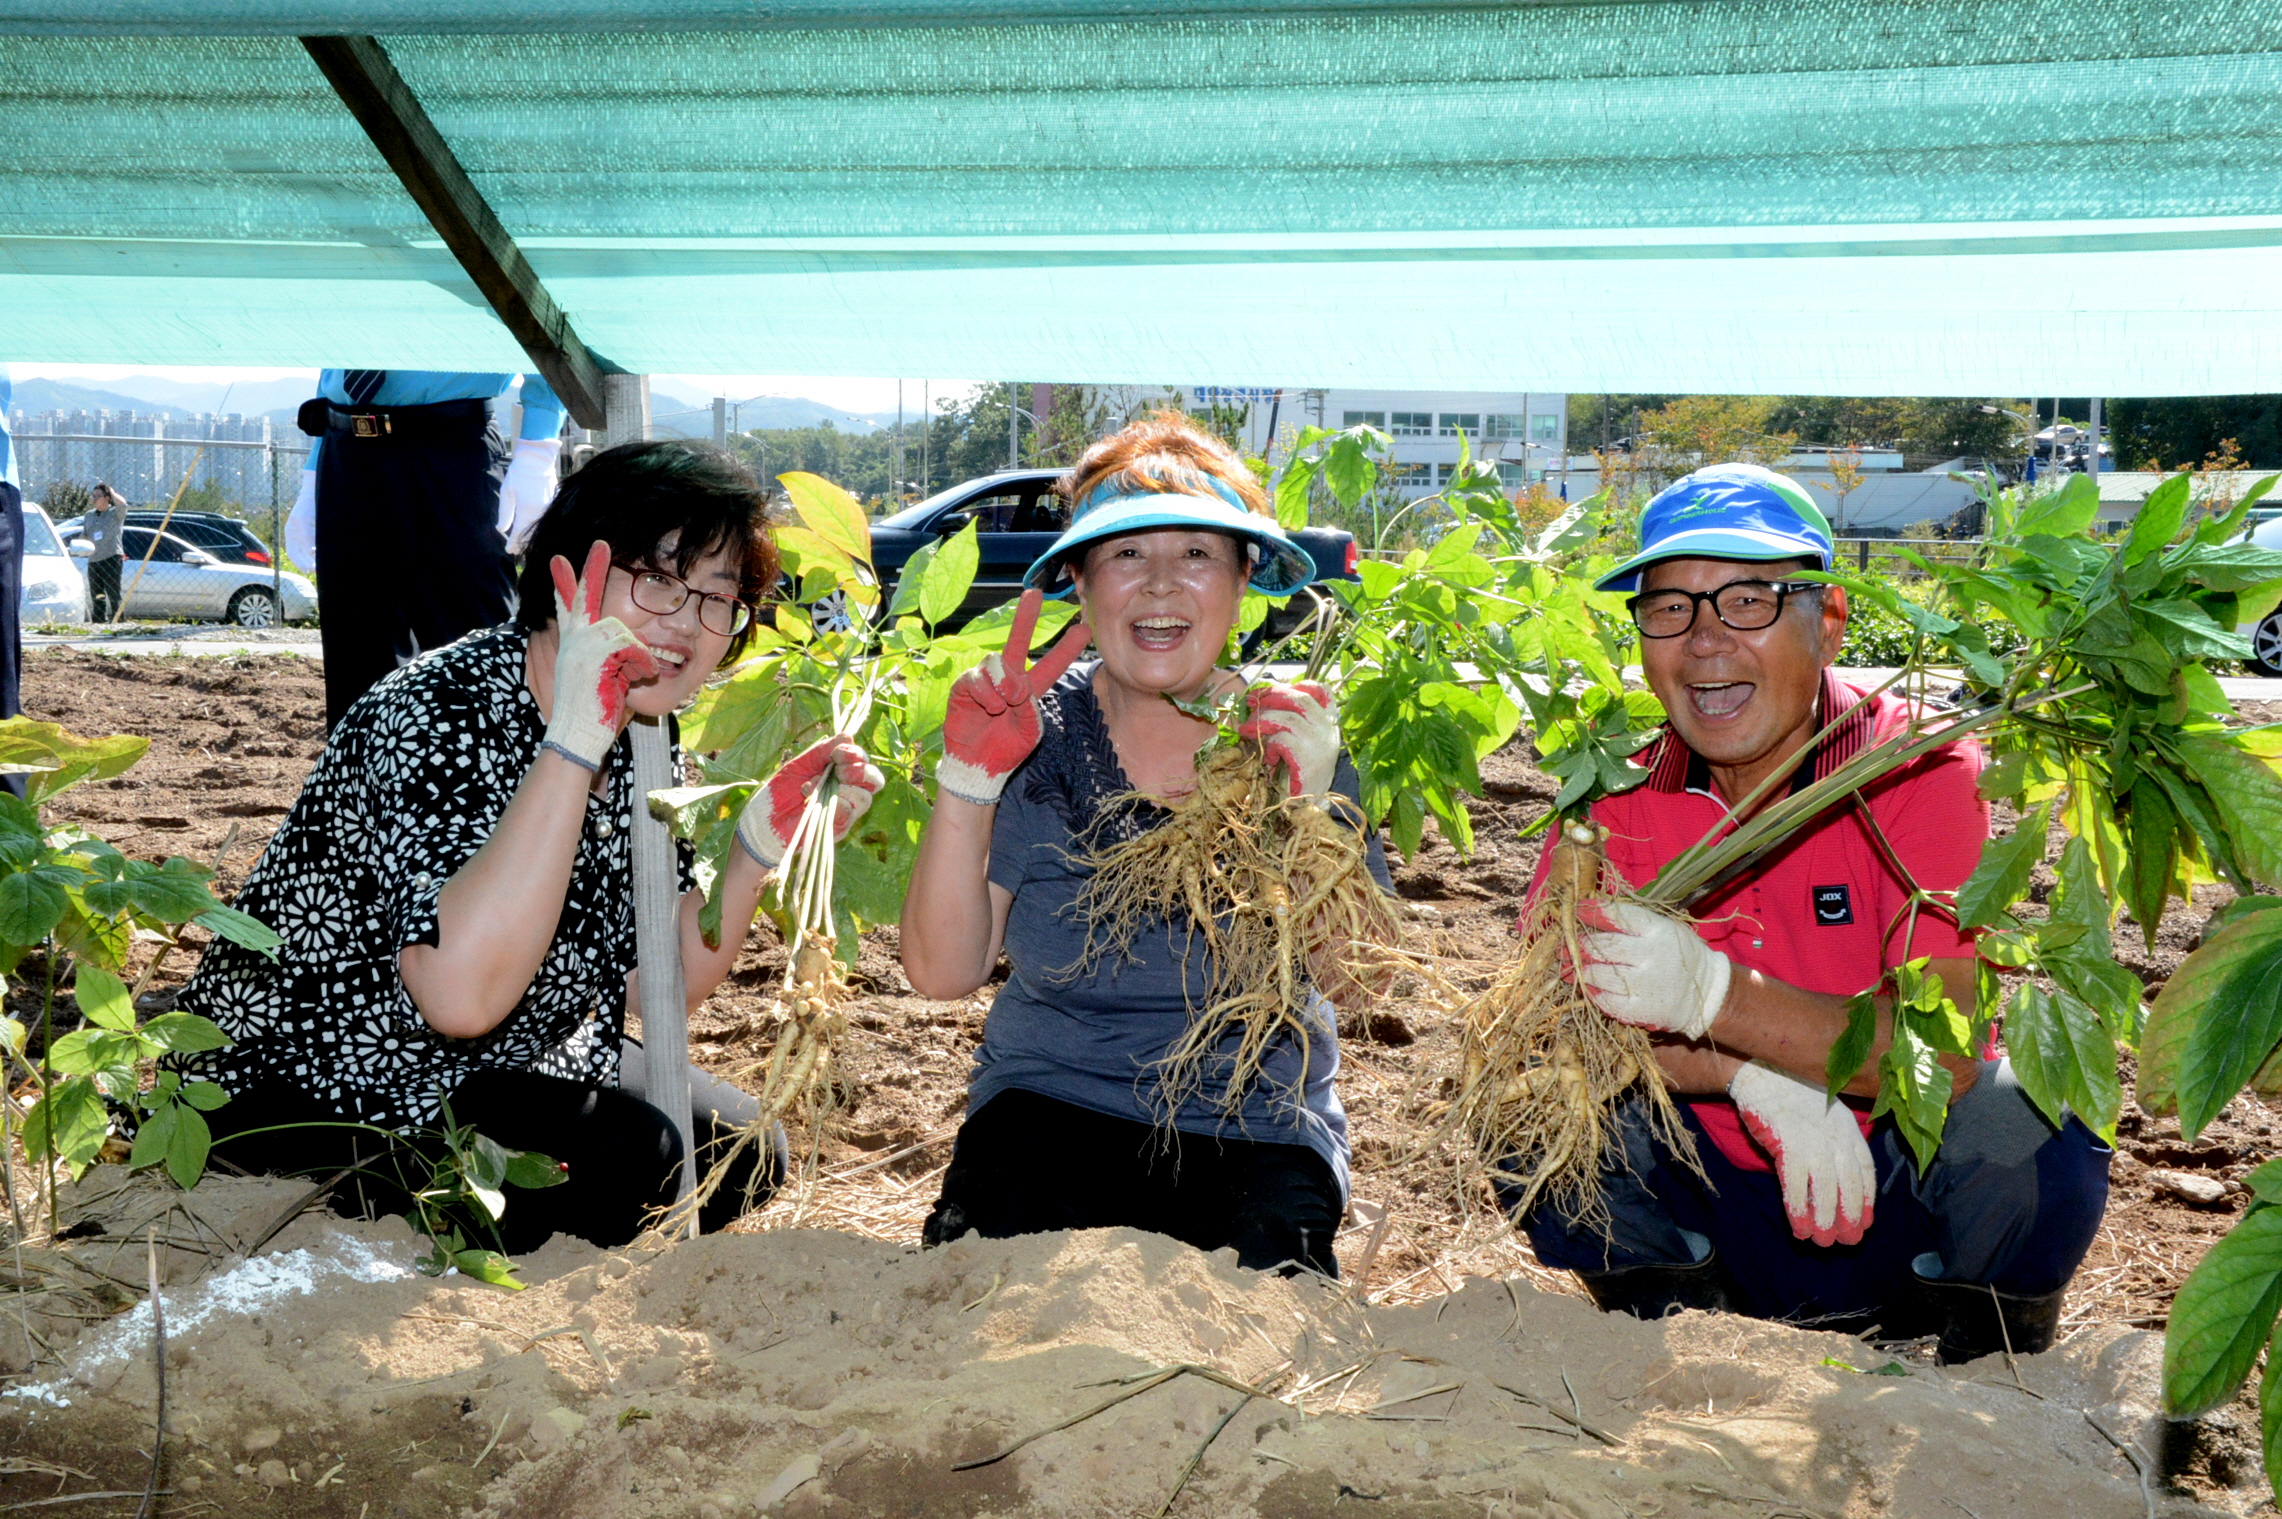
[(1976, 1320), (1652, 1292)]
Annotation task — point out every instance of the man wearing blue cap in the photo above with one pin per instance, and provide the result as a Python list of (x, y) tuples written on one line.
[(1806, 1208)]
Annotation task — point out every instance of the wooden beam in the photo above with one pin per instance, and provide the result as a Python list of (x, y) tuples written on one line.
[(365, 78)]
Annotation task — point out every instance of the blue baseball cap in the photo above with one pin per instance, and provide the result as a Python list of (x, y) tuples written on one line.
[(1726, 511), (1116, 507)]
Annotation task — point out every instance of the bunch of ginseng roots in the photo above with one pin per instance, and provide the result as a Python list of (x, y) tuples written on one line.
[(799, 1078), (1268, 887), (1543, 1069)]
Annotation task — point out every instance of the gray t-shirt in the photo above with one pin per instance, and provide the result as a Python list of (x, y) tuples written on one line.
[(1094, 1037)]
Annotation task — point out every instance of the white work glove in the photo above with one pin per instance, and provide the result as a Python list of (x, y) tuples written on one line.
[(596, 659), (1829, 1180), (766, 826), (1298, 727), (301, 526), (528, 489), (1643, 968)]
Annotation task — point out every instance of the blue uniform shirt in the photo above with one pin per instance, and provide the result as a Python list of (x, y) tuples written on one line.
[(7, 448), (542, 412)]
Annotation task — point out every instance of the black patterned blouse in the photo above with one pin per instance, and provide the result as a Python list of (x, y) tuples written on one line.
[(412, 782)]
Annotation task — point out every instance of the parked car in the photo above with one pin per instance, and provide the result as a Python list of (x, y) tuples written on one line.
[(54, 587), (226, 538), (1020, 517), (182, 580), (2265, 635)]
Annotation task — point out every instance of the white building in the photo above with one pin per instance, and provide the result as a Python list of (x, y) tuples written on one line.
[(1527, 432)]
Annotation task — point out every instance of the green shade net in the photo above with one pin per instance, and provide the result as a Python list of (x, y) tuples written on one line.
[(1884, 198)]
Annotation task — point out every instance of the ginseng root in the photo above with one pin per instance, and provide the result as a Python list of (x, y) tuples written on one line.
[(1543, 1069), (1274, 890)]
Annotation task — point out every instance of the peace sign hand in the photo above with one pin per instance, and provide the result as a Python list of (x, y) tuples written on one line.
[(992, 723), (596, 659)]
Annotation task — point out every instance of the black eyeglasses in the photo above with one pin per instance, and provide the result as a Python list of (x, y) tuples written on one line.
[(1744, 605), (662, 594)]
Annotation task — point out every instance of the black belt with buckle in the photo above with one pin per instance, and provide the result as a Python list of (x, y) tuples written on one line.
[(321, 416)]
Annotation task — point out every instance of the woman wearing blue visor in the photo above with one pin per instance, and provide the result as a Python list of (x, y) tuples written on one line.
[(1067, 1126)]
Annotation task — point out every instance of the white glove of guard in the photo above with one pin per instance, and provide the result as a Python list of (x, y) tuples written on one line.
[(1829, 1180), (301, 526), (596, 659), (528, 489), (1646, 969)]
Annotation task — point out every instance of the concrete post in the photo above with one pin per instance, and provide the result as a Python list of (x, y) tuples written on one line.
[(626, 410)]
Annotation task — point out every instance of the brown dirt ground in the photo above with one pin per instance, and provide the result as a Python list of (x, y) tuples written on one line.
[(232, 738)]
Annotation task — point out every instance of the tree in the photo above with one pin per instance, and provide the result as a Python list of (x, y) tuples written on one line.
[(2174, 430)]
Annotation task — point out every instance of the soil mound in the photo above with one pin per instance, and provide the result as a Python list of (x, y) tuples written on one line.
[(818, 1372)]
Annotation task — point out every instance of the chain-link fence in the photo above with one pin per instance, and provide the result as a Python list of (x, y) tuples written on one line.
[(205, 528)]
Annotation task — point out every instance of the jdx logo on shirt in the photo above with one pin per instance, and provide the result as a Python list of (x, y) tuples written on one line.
[(1833, 906)]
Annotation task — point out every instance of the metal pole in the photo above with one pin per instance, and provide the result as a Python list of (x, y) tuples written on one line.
[(1013, 424), (2092, 454), (720, 421), (926, 438), (895, 471), (657, 939)]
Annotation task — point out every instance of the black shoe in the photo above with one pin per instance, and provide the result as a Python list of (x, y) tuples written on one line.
[(1976, 1320), (1652, 1292)]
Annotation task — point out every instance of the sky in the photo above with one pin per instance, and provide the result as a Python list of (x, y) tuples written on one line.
[(853, 395)]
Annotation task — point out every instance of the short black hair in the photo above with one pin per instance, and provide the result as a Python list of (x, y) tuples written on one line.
[(631, 497)]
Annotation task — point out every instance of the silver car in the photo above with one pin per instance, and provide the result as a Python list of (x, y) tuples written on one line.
[(162, 576)]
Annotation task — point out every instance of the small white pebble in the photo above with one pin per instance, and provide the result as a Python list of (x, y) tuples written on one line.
[(2201, 1190)]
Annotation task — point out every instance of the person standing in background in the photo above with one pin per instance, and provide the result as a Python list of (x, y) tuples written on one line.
[(405, 512), (104, 526), (11, 574)]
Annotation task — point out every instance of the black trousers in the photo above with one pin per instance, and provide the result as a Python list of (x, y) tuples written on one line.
[(103, 589), (11, 611), (409, 555), (1025, 1164), (624, 1155)]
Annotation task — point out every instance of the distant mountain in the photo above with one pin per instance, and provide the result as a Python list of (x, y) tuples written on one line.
[(61, 395), (248, 398), (681, 416)]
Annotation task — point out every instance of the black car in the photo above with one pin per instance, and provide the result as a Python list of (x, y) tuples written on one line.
[(1020, 517), (226, 538)]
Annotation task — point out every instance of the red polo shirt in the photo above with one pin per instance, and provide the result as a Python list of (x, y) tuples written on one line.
[(1823, 911)]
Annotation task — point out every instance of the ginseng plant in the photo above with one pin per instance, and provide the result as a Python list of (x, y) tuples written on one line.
[(2101, 712)]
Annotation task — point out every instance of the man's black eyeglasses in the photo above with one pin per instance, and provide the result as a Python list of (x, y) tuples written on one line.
[(662, 594), (1744, 605)]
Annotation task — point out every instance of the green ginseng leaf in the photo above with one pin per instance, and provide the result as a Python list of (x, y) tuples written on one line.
[(1914, 1086), (2223, 1315), (1292, 492), (2264, 1180), (2270, 1411), (1850, 1050), (2151, 862), (2216, 1023), (2064, 1056), (2002, 877), (2160, 517), (2248, 796)]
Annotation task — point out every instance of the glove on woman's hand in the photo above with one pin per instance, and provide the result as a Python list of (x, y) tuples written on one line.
[(992, 722), (1643, 968), (596, 659), (770, 817), (1829, 1180), (1298, 727)]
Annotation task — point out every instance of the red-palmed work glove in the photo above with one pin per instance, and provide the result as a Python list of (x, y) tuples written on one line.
[(1648, 970), (992, 723), (1829, 1181), (1296, 726), (596, 659), (767, 825)]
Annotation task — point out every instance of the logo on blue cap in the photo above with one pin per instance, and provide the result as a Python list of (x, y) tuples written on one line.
[(1726, 511)]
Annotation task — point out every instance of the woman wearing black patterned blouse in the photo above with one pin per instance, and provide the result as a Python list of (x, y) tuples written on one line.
[(454, 886)]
